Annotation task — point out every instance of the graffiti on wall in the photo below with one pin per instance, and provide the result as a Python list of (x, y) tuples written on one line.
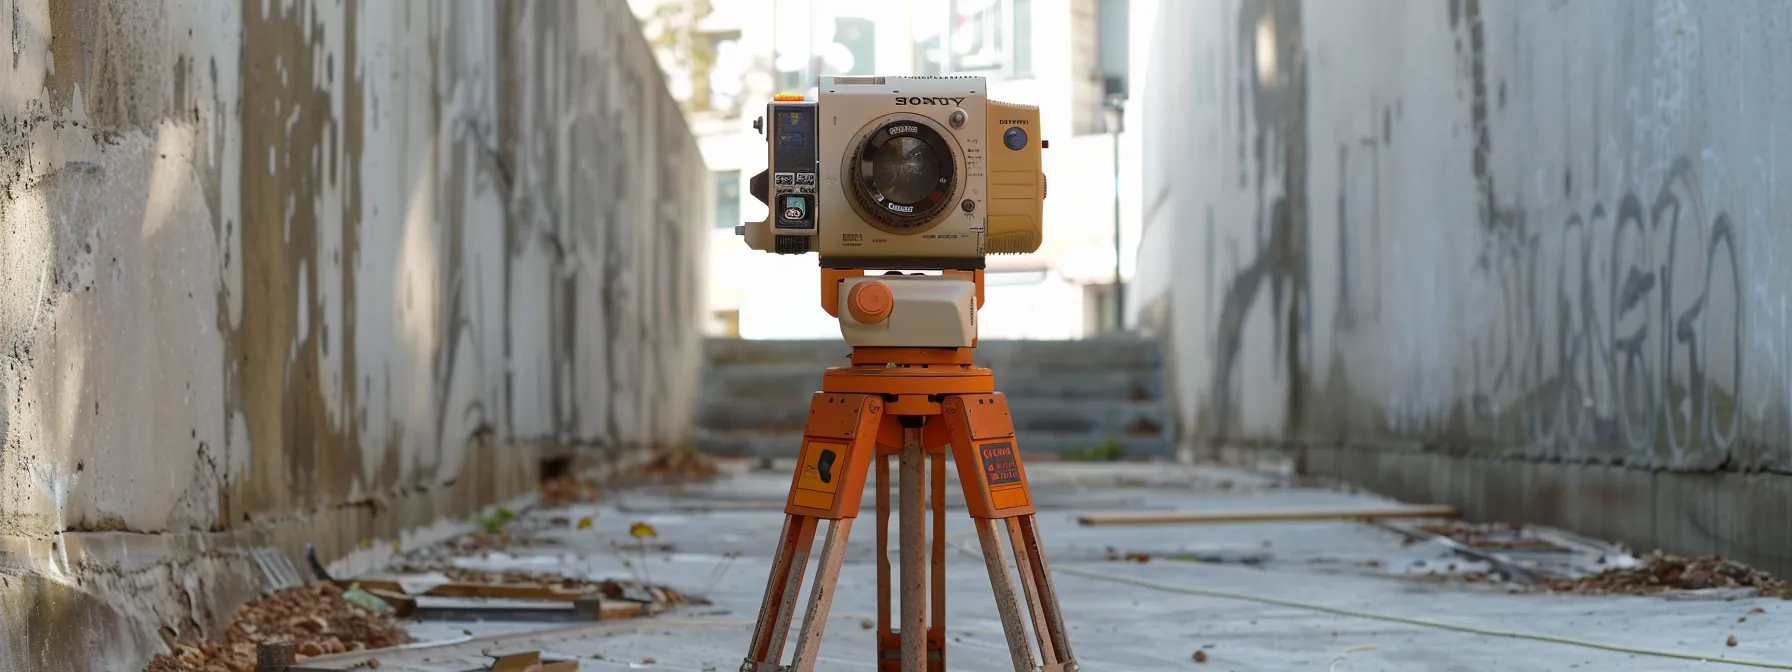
[(1619, 332), (1270, 76), (1602, 327)]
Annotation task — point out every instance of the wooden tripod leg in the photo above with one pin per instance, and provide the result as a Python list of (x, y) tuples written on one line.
[(1043, 594), (1023, 561), (838, 442), (889, 647), (821, 595), (936, 625), (781, 589), (995, 488), (1007, 603), (914, 553)]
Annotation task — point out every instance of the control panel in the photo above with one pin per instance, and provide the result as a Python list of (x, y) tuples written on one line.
[(795, 154)]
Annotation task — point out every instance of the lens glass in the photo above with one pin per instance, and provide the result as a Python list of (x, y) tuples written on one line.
[(905, 170)]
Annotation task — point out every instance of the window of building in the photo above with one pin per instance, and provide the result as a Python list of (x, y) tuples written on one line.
[(727, 199), (989, 37), (854, 49), (1114, 32), (1022, 58), (850, 49)]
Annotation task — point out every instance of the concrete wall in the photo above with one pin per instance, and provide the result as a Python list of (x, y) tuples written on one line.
[(327, 270), (1525, 257)]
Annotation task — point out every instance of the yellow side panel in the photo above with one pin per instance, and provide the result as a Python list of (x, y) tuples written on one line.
[(1016, 186)]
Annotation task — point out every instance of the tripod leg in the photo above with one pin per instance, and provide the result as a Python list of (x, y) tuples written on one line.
[(821, 596), (889, 648), (914, 553), (884, 545), (936, 626), (995, 488), (838, 442), (780, 595), (1045, 606), (1024, 560), (1007, 603)]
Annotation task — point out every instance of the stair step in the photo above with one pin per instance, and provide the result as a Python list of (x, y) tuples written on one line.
[(1089, 354), (1073, 445), (1030, 415), (732, 351), (796, 381), (1084, 398)]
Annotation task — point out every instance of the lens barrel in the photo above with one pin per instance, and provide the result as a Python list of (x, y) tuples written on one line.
[(903, 173)]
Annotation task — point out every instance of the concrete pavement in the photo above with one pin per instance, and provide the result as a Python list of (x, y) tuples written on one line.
[(1124, 616)]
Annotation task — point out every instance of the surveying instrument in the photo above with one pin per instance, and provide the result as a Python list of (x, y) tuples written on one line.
[(920, 178)]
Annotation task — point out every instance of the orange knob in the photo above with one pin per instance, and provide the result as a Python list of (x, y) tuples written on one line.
[(870, 302)]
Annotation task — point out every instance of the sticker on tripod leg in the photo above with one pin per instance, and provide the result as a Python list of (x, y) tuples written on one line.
[(999, 467), (822, 462)]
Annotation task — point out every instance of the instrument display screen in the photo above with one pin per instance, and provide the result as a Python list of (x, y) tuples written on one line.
[(793, 133)]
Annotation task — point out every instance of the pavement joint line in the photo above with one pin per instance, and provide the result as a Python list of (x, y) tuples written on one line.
[(965, 548)]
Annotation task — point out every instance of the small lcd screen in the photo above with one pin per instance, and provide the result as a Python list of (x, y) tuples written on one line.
[(793, 128)]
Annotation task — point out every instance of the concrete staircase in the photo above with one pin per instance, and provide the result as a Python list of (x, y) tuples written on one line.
[(1090, 399)]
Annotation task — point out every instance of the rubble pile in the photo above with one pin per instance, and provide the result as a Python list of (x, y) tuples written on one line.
[(316, 619), (566, 490), (1663, 572)]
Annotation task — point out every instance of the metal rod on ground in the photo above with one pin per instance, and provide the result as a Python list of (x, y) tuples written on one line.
[(1265, 515), (1512, 571)]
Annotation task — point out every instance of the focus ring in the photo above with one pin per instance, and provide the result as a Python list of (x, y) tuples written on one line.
[(914, 145)]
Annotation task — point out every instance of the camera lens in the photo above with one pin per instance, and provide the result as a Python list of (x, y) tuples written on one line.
[(902, 173), (905, 170)]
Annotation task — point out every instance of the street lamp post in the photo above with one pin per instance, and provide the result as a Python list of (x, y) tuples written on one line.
[(1115, 109)]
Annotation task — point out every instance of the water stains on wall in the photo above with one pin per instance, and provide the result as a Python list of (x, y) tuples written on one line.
[(1525, 235), (282, 272), (265, 260)]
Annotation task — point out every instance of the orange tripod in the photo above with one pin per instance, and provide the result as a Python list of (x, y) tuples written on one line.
[(913, 404)]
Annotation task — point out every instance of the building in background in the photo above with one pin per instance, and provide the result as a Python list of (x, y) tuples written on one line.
[(725, 59)]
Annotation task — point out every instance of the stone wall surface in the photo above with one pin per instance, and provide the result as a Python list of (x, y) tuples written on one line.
[(279, 271), (1526, 257)]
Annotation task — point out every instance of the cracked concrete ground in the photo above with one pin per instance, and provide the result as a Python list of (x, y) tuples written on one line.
[(1124, 616)]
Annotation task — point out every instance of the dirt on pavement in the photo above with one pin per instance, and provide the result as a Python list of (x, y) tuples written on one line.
[(566, 490), (1661, 572), (679, 464), (316, 619)]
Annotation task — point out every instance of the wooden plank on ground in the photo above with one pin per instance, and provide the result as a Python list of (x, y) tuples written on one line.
[(491, 590), (1270, 515), (518, 662), (502, 590)]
